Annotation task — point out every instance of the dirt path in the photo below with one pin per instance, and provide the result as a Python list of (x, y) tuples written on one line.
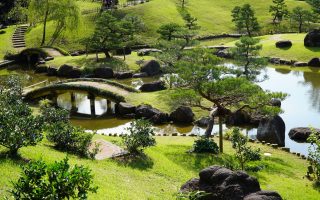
[(102, 86), (108, 150)]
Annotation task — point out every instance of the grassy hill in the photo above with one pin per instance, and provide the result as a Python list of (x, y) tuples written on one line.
[(166, 168), (5, 41), (214, 17)]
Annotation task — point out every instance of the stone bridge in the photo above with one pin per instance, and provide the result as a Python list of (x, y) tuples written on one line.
[(109, 90)]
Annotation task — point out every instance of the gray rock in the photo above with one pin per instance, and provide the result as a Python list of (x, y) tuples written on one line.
[(284, 44), (314, 62), (123, 75), (238, 118), (300, 64), (263, 195), (276, 102), (140, 75), (301, 134), (146, 111), (103, 72), (52, 71), (146, 52), (125, 109), (49, 58), (41, 68), (312, 39), (202, 122), (160, 118), (153, 86), (151, 67), (272, 131), (182, 114)]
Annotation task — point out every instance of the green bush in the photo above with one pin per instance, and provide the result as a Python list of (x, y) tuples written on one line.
[(56, 181), (140, 136), (70, 138), (18, 126), (314, 156), (244, 153), (205, 145)]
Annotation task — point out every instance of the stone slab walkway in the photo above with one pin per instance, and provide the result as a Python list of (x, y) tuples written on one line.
[(108, 150)]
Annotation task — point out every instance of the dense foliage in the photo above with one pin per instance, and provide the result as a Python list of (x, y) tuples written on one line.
[(18, 126), (140, 136), (314, 155), (244, 153), (245, 20), (205, 145), (55, 181)]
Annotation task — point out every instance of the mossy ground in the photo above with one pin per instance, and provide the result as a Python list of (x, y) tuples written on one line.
[(166, 168)]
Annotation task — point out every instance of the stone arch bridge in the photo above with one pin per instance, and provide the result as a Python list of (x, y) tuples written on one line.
[(109, 90)]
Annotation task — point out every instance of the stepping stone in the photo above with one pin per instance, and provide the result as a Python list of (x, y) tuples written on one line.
[(108, 150)]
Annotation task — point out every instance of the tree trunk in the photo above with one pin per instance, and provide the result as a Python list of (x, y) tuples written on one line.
[(209, 128), (13, 152), (220, 135), (107, 54), (300, 27), (97, 56), (45, 25), (124, 53)]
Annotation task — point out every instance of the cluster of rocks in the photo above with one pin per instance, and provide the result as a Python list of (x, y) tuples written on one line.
[(182, 114), (224, 184), (77, 53), (146, 52), (314, 62)]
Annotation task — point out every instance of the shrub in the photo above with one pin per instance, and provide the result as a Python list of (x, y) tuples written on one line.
[(70, 138), (18, 126), (56, 181), (244, 153), (314, 156), (205, 145), (140, 136)]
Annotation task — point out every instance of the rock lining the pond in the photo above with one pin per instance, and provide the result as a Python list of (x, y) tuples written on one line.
[(203, 122), (140, 75), (221, 184), (153, 86), (42, 68), (125, 109), (103, 72), (182, 114), (123, 75), (107, 150), (151, 67), (312, 39), (314, 62), (301, 134), (272, 130), (69, 71), (284, 44)]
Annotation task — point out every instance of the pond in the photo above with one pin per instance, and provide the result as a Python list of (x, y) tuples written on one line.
[(301, 108)]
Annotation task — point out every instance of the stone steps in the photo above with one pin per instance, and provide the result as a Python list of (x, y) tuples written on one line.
[(18, 40)]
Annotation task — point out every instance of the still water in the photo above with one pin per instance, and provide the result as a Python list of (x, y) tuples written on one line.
[(301, 108)]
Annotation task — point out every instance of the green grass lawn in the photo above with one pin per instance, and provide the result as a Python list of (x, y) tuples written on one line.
[(5, 41), (168, 167), (297, 52)]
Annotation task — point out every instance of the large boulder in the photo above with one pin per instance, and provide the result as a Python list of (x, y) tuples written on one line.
[(301, 134), (238, 118), (272, 130), (125, 109), (140, 75), (65, 70), (312, 39), (263, 195), (146, 111), (182, 114), (284, 44), (223, 184), (43, 68), (203, 122), (74, 73), (314, 62), (103, 72), (52, 71), (151, 67), (160, 118), (153, 86), (123, 75)]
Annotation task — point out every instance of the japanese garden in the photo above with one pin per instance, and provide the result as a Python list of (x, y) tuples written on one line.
[(160, 99)]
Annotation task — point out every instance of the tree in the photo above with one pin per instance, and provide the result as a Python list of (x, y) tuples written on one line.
[(55, 181), (183, 3), (140, 136), (315, 5), (201, 73), (302, 17), (169, 31), (19, 12), (191, 22), (112, 33), (278, 10), (314, 155), (244, 19), (5, 7), (15, 132), (244, 153), (65, 13), (246, 54)]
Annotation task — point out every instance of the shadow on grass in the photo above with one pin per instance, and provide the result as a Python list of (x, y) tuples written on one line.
[(314, 49), (316, 186), (17, 159), (141, 161)]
